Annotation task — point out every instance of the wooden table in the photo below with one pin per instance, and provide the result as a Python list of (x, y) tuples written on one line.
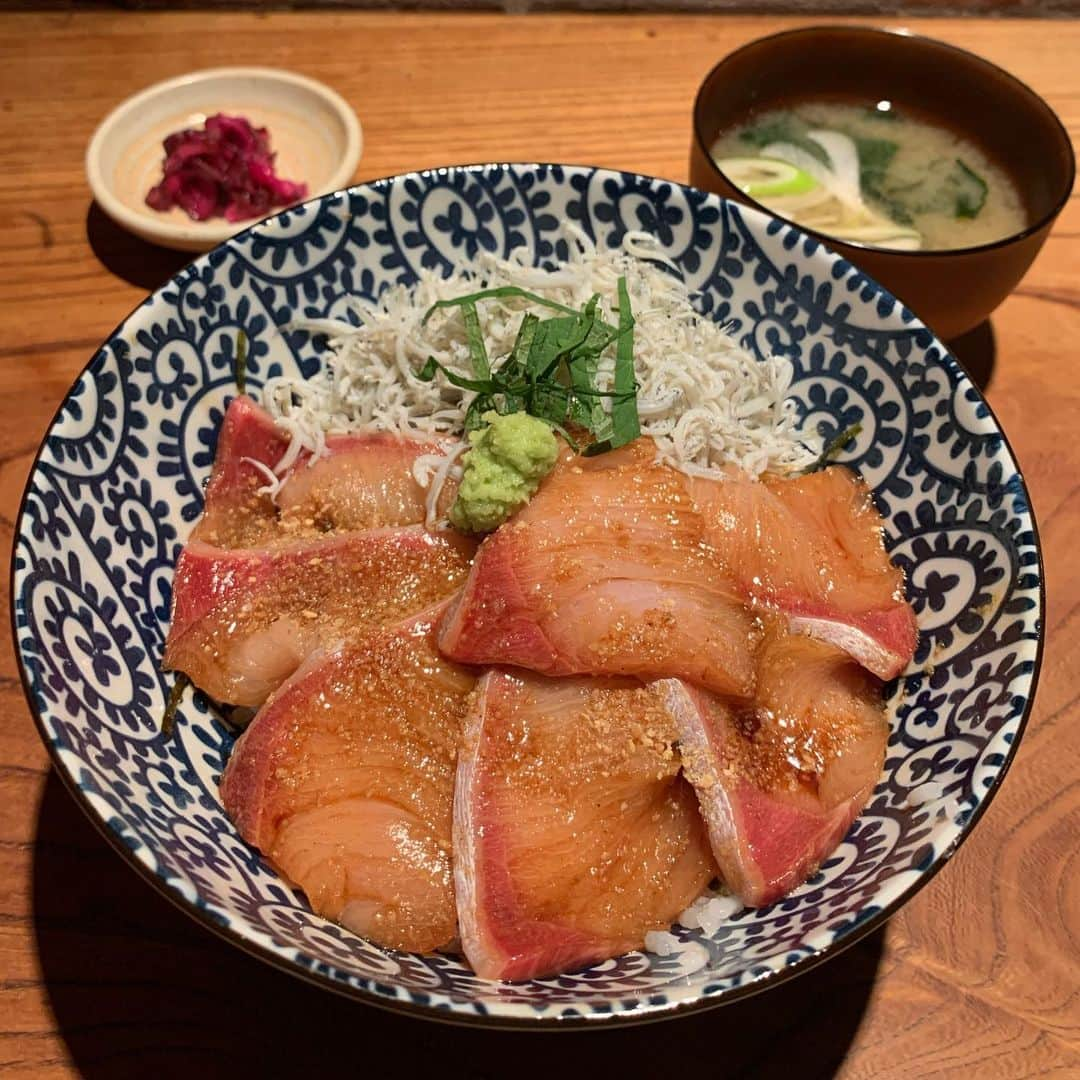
[(978, 976)]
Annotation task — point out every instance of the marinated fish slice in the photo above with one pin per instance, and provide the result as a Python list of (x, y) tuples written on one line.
[(574, 834), (243, 621), (811, 547), (604, 572), (779, 783), (344, 780), (234, 513), (364, 481)]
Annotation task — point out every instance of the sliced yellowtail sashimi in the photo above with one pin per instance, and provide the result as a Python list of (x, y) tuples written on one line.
[(574, 834), (811, 547), (249, 445), (781, 781), (605, 572), (620, 566), (244, 620), (344, 781), (363, 481)]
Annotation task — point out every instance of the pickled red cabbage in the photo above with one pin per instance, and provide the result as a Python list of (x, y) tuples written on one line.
[(225, 169)]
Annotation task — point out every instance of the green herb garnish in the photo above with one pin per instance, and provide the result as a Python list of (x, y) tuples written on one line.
[(874, 158), (551, 371), (517, 362), (168, 719), (475, 337), (835, 446), (625, 424), (503, 292), (240, 365), (971, 197), (951, 187)]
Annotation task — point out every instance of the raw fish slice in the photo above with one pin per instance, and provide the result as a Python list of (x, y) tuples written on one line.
[(604, 572), (574, 834), (234, 513), (811, 547), (364, 481), (344, 780), (243, 621), (780, 783)]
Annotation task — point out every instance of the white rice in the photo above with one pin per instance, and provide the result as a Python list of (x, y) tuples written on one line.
[(708, 402), (707, 913), (661, 942)]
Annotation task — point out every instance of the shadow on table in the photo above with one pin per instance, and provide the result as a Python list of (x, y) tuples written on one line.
[(138, 989), (976, 351), (125, 255)]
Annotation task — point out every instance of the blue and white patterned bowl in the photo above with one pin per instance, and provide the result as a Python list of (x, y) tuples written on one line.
[(118, 482)]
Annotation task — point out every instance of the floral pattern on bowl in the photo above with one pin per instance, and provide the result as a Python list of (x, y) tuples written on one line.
[(118, 483)]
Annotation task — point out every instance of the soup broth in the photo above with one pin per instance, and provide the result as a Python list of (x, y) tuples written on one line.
[(872, 175)]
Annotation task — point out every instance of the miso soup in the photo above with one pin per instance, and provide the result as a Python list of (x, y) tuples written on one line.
[(872, 175)]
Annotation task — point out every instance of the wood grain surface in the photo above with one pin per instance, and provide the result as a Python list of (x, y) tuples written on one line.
[(937, 8), (979, 976)]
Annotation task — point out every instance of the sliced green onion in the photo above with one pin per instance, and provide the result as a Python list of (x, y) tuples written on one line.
[(762, 178)]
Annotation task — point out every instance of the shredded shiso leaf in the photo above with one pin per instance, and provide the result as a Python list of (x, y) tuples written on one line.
[(240, 362), (176, 694), (836, 446), (550, 373), (708, 402)]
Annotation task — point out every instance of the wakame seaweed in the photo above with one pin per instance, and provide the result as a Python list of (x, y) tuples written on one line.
[(971, 196), (788, 129)]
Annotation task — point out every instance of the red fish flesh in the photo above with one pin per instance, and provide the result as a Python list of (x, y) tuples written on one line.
[(344, 780), (574, 834), (780, 782), (244, 620)]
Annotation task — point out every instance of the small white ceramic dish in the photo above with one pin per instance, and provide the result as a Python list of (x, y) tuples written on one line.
[(313, 131)]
